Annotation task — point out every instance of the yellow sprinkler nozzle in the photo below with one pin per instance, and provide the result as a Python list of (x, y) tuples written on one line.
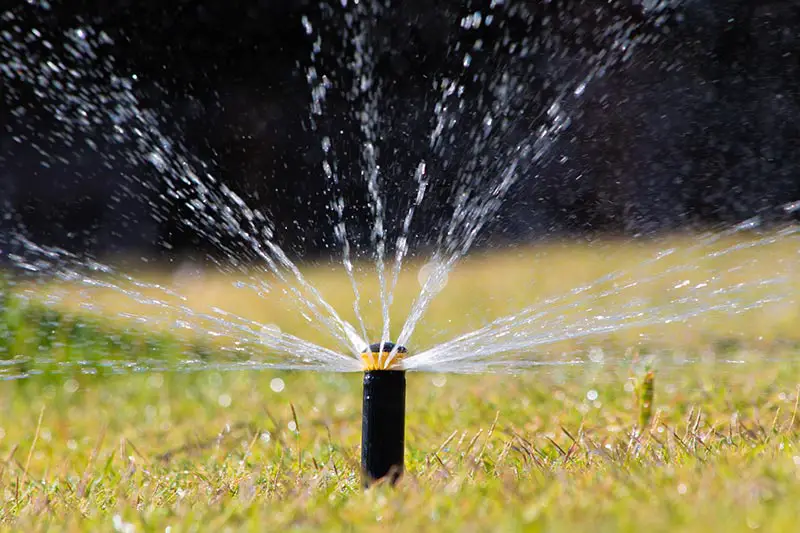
[(376, 357)]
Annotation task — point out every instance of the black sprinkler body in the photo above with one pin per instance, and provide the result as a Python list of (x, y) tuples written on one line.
[(383, 416)]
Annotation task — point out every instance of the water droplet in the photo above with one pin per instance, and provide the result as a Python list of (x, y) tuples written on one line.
[(682, 488), (307, 25), (224, 400), (71, 386), (292, 425), (157, 160), (439, 380), (596, 355), (277, 385), (122, 526), (792, 207), (591, 395)]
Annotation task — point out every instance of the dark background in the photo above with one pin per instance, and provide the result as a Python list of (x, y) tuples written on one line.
[(698, 129)]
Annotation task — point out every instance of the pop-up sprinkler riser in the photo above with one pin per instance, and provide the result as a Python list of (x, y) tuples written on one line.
[(383, 414)]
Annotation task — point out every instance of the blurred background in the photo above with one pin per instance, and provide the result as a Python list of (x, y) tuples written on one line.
[(699, 128)]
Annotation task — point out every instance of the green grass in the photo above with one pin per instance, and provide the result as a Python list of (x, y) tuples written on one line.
[(559, 449)]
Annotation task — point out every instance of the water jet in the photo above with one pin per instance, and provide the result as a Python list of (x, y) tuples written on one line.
[(383, 413)]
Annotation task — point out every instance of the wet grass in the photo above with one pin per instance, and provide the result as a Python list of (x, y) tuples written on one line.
[(632, 442)]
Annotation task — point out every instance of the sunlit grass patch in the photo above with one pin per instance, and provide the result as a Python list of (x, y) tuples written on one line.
[(545, 448)]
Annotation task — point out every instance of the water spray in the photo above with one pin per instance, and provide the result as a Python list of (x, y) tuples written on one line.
[(383, 415)]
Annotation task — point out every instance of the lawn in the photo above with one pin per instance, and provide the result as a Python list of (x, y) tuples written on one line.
[(560, 448)]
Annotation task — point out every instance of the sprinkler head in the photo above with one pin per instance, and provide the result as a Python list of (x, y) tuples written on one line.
[(383, 416), (376, 357)]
